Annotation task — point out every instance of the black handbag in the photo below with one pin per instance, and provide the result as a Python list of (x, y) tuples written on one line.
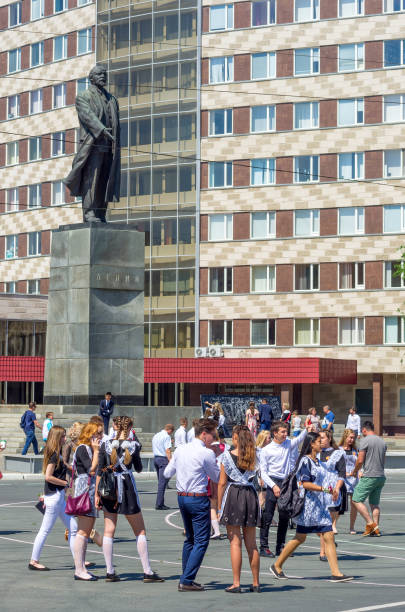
[(107, 487)]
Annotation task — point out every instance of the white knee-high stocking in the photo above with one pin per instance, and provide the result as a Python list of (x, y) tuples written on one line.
[(142, 547), (108, 553), (80, 546)]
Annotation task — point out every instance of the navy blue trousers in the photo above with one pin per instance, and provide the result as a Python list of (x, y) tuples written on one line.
[(195, 512)]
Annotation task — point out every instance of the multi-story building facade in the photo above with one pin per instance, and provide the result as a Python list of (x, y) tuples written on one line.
[(262, 156)]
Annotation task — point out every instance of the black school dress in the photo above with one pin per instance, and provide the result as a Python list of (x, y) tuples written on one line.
[(129, 503), (242, 504)]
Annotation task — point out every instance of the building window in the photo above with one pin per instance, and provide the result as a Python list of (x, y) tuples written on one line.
[(12, 200), (221, 17), (221, 333), (12, 153), (34, 243), (393, 6), (351, 57), (306, 222), (262, 225), (14, 60), (263, 279), (351, 166), (394, 218), (306, 10), (84, 40), (401, 402), (220, 227), (394, 330), (35, 148), (393, 53), (82, 84), (394, 275), (13, 104), (83, 2), (58, 193), (58, 144), (10, 287), (60, 5), (37, 54), (263, 332), (351, 275), (306, 115), (351, 221), (59, 48), (220, 174), (306, 277), (351, 112), (306, 168), (59, 95), (34, 195), (263, 118), (14, 14), (262, 172), (263, 12), (221, 69), (306, 332), (37, 9), (220, 122), (12, 246), (35, 101), (263, 65), (306, 61), (394, 108), (350, 8), (351, 330), (393, 163), (33, 287), (220, 280)]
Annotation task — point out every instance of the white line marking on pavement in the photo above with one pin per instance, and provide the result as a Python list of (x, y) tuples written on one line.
[(351, 552), (14, 504), (380, 607), (168, 521)]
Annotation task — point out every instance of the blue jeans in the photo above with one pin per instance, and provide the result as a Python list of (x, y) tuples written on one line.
[(30, 439), (195, 512), (160, 465), (265, 425)]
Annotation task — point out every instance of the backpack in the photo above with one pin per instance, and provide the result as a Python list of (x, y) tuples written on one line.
[(291, 500), (23, 420)]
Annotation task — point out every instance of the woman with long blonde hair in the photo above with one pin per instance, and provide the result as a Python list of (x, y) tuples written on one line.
[(54, 469), (239, 504), (348, 445), (262, 440), (122, 456)]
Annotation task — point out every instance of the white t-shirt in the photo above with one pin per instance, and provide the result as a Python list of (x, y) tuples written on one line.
[(46, 427), (296, 423)]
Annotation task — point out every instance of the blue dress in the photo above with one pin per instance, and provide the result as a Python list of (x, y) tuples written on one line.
[(314, 517)]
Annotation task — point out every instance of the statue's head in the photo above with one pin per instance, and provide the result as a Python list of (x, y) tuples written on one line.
[(98, 75)]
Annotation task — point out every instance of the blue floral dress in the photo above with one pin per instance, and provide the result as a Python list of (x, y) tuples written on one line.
[(315, 517)]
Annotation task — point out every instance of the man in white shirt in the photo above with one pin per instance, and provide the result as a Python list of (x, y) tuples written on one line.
[(161, 448), (191, 431), (193, 464), (353, 421), (275, 465), (180, 435)]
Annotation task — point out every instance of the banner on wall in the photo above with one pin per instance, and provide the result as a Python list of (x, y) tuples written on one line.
[(235, 406)]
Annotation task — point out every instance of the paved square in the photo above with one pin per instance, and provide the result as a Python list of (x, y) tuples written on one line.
[(377, 563)]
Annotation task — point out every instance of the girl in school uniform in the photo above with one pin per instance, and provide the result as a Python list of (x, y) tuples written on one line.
[(123, 456), (348, 445)]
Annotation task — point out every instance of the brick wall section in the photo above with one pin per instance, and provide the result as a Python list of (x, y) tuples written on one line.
[(373, 223), (48, 8), (203, 333), (21, 286), (26, 11), (47, 98), (241, 120), (204, 123), (328, 9), (3, 109), (70, 141), (328, 220), (48, 50), (374, 274), (22, 198), (22, 245), (206, 19), (205, 71), (23, 151), (2, 200), (3, 63), (328, 59), (373, 164), (285, 63), (93, 38), (46, 242), (203, 281), (284, 117), (285, 11), (70, 92), (328, 167), (373, 55), (241, 67), (241, 279), (328, 113), (285, 332), (241, 332), (46, 194), (284, 223), (284, 277), (72, 3), (3, 18), (25, 57), (204, 227), (241, 172), (328, 277), (241, 15), (204, 175), (44, 286), (46, 146), (373, 7), (373, 109), (2, 155), (328, 331), (72, 44), (24, 103), (284, 170), (241, 226), (374, 330), (2, 247)]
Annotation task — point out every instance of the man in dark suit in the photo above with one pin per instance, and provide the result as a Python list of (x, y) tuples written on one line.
[(106, 410)]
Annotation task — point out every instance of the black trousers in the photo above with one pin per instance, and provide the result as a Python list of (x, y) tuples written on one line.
[(267, 517), (94, 182)]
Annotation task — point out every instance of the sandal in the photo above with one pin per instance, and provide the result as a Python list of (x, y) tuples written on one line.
[(233, 589)]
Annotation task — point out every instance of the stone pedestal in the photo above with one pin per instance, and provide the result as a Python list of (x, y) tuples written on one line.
[(95, 338)]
